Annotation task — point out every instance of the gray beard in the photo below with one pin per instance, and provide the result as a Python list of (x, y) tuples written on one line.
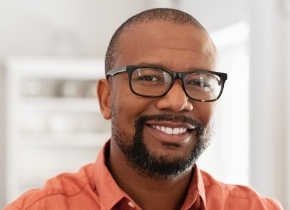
[(154, 166)]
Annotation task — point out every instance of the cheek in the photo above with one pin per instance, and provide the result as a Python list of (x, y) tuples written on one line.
[(129, 107), (126, 105), (206, 112), (124, 115)]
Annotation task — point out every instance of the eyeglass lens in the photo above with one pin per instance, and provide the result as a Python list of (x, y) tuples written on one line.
[(153, 82)]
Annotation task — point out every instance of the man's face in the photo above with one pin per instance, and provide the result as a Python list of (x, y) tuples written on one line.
[(161, 137)]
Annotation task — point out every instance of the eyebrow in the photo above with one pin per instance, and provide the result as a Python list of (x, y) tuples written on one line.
[(157, 65), (161, 66)]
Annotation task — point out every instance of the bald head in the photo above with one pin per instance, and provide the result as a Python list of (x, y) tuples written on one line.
[(161, 14)]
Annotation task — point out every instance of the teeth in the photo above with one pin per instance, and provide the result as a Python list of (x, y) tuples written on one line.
[(170, 131)]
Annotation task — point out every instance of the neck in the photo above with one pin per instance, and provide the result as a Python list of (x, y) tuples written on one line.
[(148, 192)]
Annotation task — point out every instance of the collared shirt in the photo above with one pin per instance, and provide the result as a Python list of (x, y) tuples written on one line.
[(93, 188)]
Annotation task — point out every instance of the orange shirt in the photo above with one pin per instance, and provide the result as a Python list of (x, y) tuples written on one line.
[(93, 188)]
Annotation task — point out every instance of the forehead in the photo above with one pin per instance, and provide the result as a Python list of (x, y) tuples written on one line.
[(172, 45)]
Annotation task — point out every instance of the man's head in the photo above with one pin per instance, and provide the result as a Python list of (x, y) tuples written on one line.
[(161, 14), (160, 136)]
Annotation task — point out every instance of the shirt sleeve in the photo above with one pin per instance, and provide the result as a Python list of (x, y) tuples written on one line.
[(273, 204)]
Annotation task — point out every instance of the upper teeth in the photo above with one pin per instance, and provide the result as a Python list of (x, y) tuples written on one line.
[(168, 130)]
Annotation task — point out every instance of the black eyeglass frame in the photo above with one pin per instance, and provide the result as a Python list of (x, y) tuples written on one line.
[(174, 75)]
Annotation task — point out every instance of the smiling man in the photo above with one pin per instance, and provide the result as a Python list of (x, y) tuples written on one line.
[(160, 93)]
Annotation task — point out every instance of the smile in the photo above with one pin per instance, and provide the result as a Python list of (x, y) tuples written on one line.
[(170, 131)]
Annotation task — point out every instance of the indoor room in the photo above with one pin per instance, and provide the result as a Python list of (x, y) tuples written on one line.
[(52, 57)]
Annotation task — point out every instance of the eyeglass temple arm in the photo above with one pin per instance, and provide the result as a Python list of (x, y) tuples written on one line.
[(114, 71)]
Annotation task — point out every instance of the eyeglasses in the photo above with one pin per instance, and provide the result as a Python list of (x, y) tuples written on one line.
[(150, 81)]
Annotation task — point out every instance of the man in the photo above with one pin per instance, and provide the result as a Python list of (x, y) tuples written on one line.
[(160, 94)]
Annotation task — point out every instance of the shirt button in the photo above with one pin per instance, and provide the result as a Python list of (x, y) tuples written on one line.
[(131, 204)]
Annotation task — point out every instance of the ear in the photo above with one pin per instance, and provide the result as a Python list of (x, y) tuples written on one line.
[(104, 96)]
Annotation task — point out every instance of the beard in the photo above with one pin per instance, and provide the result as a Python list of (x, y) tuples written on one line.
[(155, 165)]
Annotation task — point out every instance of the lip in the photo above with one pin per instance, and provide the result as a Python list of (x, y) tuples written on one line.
[(171, 132)]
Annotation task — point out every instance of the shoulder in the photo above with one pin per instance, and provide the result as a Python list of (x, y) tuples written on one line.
[(229, 196), (57, 191)]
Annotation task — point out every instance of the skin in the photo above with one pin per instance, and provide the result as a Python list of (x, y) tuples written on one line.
[(178, 48)]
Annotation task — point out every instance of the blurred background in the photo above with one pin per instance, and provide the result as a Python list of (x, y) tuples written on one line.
[(51, 56)]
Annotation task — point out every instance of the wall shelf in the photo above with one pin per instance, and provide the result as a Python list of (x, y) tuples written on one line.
[(53, 119), (60, 104)]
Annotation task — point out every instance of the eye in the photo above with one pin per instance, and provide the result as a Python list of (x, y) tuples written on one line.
[(200, 86), (148, 78), (202, 82), (150, 75), (199, 83)]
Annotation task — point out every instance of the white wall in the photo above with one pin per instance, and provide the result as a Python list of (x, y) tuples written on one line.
[(56, 26), (216, 14), (2, 142), (287, 115), (84, 28), (269, 99)]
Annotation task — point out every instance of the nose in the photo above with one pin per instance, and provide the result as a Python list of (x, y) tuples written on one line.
[(175, 100)]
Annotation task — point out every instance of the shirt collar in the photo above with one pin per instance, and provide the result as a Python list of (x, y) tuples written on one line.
[(196, 191), (107, 189)]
